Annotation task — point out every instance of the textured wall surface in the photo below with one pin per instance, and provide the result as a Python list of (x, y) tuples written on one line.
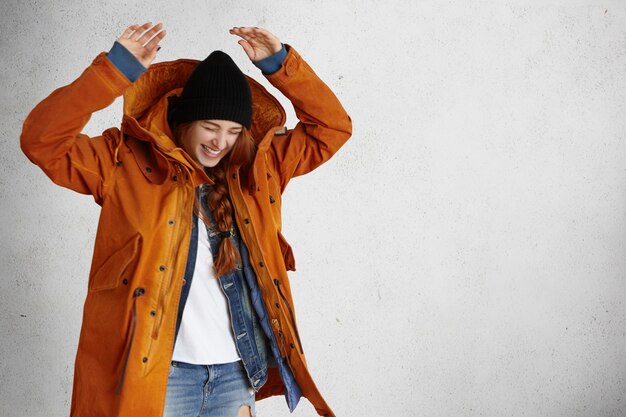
[(463, 255)]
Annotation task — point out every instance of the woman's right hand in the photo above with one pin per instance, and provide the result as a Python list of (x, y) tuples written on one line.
[(143, 41)]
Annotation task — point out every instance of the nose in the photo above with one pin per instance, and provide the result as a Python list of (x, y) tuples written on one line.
[(220, 140)]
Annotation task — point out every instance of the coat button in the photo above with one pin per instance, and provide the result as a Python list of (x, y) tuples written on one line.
[(152, 313), (246, 221), (234, 176), (272, 201), (119, 163), (170, 222), (148, 169), (144, 360), (261, 264), (174, 178), (162, 268), (139, 291), (125, 281), (292, 345)]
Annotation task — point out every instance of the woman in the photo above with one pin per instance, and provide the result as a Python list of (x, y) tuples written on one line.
[(190, 189)]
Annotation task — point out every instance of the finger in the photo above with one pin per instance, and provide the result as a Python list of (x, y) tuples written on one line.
[(150, 57), (150, 51), (140, 30), (268, 39), (150, 33), (242, 31), (237, 32), (248, 49), (261, 31), (154, 42), (129, 31), (249, 36), (266, 35), (258, 36), (244, 38)]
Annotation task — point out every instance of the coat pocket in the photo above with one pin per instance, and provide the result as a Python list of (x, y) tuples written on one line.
[(285, 248), (109, 274)]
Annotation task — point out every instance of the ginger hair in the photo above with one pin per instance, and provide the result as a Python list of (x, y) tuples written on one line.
[(218, 199)]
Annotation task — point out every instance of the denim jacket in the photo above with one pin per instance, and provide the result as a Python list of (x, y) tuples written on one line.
[(254, 338)]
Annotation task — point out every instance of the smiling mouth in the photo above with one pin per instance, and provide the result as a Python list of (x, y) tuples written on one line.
[(210, 151)]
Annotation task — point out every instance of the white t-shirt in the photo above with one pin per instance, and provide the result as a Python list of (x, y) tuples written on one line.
[(205, 336)]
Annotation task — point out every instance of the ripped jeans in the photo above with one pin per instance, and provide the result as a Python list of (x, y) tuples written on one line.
[(207, 390)]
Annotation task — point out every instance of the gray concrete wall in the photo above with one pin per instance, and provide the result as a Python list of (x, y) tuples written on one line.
[(463, 255)]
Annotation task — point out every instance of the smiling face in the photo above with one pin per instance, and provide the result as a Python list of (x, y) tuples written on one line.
[(208, 141)]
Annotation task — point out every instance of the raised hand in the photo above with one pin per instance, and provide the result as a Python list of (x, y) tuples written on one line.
[(143, 41), (258, 43)]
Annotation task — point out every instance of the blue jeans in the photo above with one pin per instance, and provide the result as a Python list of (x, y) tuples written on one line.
[(207, 390)]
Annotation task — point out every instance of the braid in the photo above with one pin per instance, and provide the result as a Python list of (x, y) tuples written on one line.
[(222, 209), (218, 199)]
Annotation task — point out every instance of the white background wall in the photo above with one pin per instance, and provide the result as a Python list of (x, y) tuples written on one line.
[(463, 255)]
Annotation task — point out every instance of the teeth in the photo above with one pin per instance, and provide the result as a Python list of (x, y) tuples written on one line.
[(211, 151)]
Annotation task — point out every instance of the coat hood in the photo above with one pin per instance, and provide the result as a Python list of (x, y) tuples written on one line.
[(146, 104)]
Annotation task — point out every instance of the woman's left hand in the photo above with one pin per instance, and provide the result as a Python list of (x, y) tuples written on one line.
[(258, 43)]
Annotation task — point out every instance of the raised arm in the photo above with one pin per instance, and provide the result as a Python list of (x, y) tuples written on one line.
[(51, 135), (324, 124)]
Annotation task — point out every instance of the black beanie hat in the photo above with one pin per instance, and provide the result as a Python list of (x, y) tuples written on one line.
[(216, 89)]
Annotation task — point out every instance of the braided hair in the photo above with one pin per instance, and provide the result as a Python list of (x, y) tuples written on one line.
[(218, 199)]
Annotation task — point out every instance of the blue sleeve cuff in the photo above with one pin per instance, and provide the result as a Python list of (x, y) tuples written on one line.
[(271, 64), (125, 62)]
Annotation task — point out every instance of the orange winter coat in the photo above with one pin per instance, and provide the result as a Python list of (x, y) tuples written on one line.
[(145, 186)]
